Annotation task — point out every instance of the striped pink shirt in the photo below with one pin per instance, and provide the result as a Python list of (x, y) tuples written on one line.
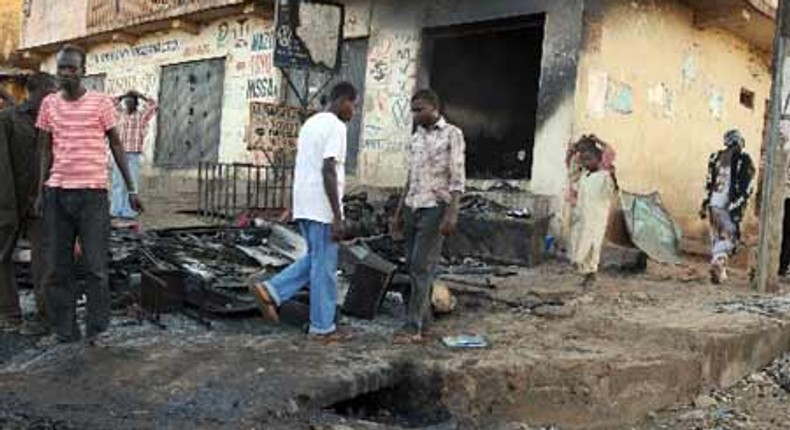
[(79, 144)]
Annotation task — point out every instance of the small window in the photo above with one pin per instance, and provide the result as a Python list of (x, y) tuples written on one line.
[(747, 98)]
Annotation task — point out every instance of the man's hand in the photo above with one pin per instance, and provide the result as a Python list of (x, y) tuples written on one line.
[(449, 222), (38, 205), (135, 203), (337, 229), (396, 227), (703, 213)]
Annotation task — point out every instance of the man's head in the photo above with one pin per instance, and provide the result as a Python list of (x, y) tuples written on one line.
[(40, 85), (425, 106), (342, 100), (131, 102), (734, 140), (71, 68)]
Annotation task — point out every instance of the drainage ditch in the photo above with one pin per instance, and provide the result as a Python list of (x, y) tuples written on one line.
[(412, 402)]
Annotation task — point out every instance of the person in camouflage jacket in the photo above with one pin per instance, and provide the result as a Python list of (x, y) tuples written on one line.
[(727, 191)]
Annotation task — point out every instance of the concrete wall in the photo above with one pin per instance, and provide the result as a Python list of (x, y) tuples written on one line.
[(10, 25), (394, 70), (51, 21), (246, 44), (663, 93)]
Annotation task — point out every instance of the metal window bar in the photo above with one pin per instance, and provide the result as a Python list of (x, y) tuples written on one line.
[(227, 189)]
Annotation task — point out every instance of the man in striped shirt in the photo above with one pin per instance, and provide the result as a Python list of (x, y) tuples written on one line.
[(74, 126), (132, 128)]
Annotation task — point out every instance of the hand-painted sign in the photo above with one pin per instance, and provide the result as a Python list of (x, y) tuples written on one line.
[(273, 127), (308, 35)]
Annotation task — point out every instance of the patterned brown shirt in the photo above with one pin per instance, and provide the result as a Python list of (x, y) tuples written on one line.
[(437, 165)]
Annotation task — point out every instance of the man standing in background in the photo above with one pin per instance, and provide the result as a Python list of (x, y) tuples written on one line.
[(132, 127), (18, 184), (727, 192)]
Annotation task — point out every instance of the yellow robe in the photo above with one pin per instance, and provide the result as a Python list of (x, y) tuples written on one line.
[(590, 218)]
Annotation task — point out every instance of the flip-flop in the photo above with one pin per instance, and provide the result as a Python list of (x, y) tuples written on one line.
[(334, 337), (265, 302), (409, 339)]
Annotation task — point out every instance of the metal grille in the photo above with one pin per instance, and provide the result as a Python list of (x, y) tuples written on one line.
[(225, 190), (190, 107)]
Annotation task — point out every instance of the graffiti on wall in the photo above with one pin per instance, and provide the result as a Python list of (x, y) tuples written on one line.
[(262, 88), (263, 41), (247, 44), (392, 66), (143, 81), (138, 51), (197, 50), (233, 34), (261, 64)]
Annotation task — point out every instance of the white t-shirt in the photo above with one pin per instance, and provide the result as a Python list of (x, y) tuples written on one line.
[(322, 136)]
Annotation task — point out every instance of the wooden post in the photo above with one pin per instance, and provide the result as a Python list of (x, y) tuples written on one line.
[(775, 173)]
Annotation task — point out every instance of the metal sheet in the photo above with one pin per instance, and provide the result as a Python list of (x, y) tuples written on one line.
[(651, 227), (190, 113), (353, 69)]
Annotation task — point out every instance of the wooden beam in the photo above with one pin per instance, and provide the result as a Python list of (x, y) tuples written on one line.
[(714, 17), (122, 37), (259, 10), (185, 26)]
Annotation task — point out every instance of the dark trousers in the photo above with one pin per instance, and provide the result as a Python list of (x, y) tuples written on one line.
[(784, 259), (9, 294), (69, 215), (423, 251)]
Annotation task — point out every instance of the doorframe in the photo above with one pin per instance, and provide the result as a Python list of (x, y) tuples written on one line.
[(429, 35)]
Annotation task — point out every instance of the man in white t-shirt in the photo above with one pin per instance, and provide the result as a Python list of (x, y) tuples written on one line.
[(318, 189)]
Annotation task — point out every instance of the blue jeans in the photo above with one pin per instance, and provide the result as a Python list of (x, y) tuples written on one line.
[(120, 207), (318, 269)]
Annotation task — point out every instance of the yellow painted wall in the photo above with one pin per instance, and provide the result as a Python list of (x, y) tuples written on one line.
[(10, 25), (50, 21), (686, 85)]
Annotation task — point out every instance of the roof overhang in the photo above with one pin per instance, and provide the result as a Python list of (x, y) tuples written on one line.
[(32, 57), (752, 20)]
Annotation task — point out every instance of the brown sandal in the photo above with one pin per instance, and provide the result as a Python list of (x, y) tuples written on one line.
[(265, 302)]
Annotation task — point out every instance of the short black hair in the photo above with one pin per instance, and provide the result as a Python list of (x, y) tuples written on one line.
[(74, 49), (131, 95), (590, 143), (343, 90), (429, 96), (39, 81)]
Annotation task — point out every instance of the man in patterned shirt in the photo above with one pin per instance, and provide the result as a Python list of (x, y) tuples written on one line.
[(74, 126), (132, 128), (429, 206)]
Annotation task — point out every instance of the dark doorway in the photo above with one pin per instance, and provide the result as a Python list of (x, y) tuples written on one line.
[(190, 112), (488, 77)]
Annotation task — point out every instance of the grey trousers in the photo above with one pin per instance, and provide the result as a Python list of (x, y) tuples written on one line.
[(68, 215), (423, 251)]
